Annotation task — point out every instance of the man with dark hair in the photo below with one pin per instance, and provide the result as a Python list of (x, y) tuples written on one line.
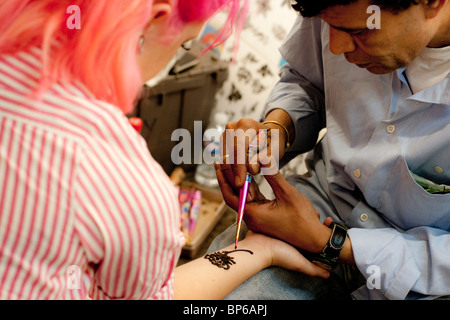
[(379, 177)]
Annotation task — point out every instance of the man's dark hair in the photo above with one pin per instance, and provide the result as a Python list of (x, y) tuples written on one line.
[(311, 8)]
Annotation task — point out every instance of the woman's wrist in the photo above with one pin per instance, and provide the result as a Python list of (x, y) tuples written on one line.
[(260, 248)]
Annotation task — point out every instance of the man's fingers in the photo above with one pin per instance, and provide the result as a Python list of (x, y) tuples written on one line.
[(277, 183), (313, 270), (253, 166), (328, 221), (270, 171), (231, 199), (227, 170), (254, 193)]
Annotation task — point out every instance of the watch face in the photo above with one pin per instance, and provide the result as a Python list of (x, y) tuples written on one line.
[(338, 238)]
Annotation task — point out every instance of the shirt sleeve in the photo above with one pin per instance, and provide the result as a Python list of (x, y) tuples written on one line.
[(416, 261), (299, 91)]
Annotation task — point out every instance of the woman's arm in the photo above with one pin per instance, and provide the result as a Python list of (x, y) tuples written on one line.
[(203, 279)]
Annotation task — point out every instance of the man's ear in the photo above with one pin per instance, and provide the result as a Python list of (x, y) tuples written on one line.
[(433, 7)]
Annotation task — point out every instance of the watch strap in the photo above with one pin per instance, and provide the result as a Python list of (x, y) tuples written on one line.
[(328, 258)]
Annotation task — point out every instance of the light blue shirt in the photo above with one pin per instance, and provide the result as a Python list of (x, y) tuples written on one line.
[(377, 132)]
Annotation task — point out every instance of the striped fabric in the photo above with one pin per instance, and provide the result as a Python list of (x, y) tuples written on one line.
[(84, 209)]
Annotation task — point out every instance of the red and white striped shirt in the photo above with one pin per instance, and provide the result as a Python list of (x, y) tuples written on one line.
[(79, 191)]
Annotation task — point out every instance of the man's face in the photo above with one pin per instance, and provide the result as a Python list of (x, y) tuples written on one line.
[(400, 40)]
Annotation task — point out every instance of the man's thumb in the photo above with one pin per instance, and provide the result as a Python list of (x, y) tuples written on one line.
[(279, 184)]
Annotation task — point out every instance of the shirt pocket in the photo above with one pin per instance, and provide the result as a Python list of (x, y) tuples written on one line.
[(406, 204)]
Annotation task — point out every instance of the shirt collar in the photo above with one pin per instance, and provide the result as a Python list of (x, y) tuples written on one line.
[(437, 94)]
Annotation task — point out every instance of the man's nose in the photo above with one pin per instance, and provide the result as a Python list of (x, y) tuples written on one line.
[(341, 42)]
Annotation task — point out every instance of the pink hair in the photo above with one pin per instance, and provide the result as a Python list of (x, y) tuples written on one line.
[(102, 55), (193, 10)]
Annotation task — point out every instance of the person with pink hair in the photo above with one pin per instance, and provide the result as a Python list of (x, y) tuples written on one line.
[(85, 211)]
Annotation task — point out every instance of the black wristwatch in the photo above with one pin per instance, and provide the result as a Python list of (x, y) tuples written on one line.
[(328, 258)]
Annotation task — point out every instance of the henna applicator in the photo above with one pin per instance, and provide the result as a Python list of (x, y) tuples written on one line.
[(259, 143), (243, 193)]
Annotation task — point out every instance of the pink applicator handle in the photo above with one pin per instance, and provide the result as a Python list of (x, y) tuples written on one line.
[(242, 202)]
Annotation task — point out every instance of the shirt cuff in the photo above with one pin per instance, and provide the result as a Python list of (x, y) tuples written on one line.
[(386, 250)]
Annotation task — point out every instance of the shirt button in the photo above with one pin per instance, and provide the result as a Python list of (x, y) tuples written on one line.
[(364, 217), (438, 169), (357, 173), (390, 129)]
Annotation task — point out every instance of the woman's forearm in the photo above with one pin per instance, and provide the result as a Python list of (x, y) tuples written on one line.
[(203, 279)]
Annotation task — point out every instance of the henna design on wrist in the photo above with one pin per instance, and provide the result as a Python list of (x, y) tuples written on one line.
[(222, 260)]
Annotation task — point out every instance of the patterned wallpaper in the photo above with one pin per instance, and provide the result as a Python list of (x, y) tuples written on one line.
[(255, 70)]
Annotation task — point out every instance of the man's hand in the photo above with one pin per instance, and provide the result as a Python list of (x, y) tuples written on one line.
[(290, 217), (236, 140), (240, 134)]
